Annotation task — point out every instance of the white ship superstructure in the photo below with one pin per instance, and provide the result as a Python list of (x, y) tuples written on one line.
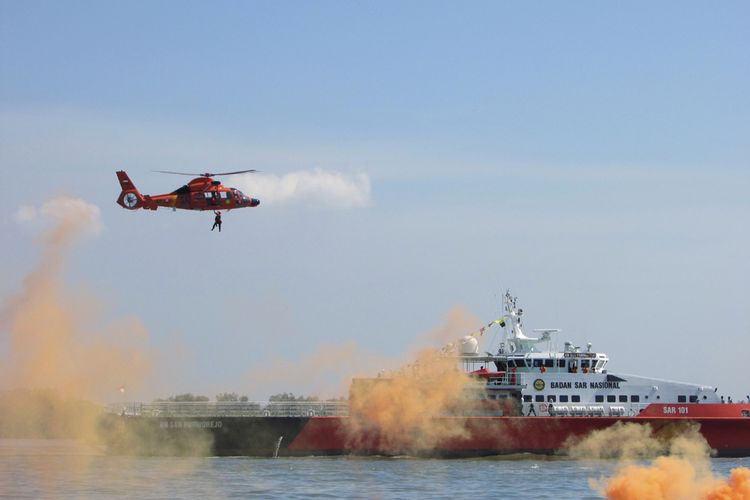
[(568, 382)]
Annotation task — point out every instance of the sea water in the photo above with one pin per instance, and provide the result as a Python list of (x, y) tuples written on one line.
[(66, 469)]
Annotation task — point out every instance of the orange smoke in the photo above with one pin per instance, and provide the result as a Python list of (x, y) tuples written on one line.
[(458, 322), (400, 412), (325, 372), (672, 477), (55, 336), (684, 474)]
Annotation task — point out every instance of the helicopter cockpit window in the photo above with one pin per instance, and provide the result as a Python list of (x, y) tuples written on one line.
[(224, 195), (207, 195)]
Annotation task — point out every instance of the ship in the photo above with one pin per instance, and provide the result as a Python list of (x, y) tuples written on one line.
[(527, 395)]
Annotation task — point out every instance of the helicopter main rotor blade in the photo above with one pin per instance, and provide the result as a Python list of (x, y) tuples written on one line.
[(237, 172), (206, 174), (175, 173)]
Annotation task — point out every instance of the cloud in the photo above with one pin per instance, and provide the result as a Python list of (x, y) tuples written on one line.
[(317, 187), (63, 209)]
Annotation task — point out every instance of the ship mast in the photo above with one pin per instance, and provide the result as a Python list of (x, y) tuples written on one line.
[(515, 340)]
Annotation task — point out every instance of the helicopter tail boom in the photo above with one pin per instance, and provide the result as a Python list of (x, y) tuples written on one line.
[(130, 197)]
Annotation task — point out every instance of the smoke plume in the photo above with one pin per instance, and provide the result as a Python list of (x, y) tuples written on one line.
[(682, 472), (417, 408), (408, 410), (59, 348), (317, 187), (54, 341)]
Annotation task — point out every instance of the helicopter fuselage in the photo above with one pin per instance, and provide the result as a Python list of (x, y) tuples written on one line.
[(201, 193)]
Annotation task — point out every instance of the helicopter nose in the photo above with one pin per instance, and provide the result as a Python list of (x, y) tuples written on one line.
[(254, 202)]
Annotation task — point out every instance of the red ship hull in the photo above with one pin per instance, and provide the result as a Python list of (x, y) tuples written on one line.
[(724, 427)]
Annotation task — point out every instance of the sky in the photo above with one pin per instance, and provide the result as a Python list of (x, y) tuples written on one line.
[(415, 157)]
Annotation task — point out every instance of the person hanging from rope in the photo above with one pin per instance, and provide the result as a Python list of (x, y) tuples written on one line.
[(217, 220)]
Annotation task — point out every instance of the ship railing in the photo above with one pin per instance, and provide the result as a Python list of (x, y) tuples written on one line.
[(178, 409), (582, 410), (508, 379)]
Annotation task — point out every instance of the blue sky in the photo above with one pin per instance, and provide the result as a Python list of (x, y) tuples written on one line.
[(591, 156)]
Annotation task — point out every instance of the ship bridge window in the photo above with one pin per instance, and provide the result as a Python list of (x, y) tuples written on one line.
[(575, 398), (611, 398), (561, 363), (599, 398), (622, 398), (585, 363), (693, 399), (539, 398), (563, 398), (682, 399), (538, 363), (549, 363), (551, 399), (634, 398), (527, 398)]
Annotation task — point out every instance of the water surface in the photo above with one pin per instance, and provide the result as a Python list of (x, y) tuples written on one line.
[(66, 469)]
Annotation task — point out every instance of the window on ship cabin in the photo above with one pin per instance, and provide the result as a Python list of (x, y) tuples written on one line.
[(527, 398), (539, 398), (561, 363), (634, 398), (611, 398), (551, 399), (549, 363), (563, 398), (693, 399), (599, 398), (585, 363), (622, 398), (575, 398), (682, 399), (537, 363)]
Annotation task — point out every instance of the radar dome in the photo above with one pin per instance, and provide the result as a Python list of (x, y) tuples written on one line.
[(468, 346)]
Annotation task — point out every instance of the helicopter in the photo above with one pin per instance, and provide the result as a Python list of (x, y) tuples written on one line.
[(201, 193)]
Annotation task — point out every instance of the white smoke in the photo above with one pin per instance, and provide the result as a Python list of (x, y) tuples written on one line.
[(62, 208), (317, 187)]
